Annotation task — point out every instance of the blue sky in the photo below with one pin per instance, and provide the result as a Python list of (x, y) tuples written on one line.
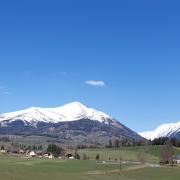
[(121, 57)]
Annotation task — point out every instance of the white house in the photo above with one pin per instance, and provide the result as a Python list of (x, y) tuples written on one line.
[(32, 154), (50, 156), (71, 157), (2, 151), (46, 155)]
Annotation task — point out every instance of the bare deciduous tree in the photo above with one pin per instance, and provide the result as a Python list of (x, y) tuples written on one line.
[(166, 154)]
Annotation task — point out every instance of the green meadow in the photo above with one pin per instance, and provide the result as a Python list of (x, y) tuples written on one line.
[(17, 168), (23, 168), (152, 153)]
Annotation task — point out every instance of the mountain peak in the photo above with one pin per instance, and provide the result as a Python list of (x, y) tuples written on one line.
[(69, 112), (75, 104), (164, 130)]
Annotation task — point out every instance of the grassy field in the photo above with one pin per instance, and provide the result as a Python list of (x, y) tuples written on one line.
[(21, 168), (17, 168), (127, 153)]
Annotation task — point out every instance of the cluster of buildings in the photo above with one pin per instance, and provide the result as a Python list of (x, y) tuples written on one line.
[(31, 153)]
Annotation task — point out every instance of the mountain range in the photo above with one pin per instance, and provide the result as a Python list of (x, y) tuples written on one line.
[(69, 112), (171, 130), (71, 123)]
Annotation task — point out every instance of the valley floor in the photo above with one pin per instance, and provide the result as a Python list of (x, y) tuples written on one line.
[(21, 168)]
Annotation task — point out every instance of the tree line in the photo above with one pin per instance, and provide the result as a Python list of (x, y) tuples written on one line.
[(164, 140), (25, 147)]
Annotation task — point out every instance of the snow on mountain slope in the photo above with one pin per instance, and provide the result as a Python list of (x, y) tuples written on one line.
[(164, 130), (69, 112), (145, 134)]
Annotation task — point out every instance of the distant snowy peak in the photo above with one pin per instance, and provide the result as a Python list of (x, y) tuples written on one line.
[(164, 130), (69, 112), (146, 134)]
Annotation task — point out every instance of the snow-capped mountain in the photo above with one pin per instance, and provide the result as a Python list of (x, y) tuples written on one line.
[(68, 124), (69, 112), (165, 130)]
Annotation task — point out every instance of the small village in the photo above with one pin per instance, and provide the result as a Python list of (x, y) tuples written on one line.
[(29, 153)]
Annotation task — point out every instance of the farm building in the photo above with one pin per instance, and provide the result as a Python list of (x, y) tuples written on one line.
[(70, 156), (32, 154)]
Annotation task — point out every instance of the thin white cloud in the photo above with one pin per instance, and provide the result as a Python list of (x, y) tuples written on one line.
[(95, 83)]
